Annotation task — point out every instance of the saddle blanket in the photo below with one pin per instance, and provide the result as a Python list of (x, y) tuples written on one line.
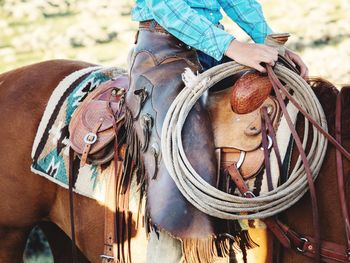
[(50, 152)]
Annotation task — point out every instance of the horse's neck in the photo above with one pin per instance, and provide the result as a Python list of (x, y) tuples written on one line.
[(332, 225)]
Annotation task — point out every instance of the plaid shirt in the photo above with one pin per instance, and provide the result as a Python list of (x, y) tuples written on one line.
[(195, 21)]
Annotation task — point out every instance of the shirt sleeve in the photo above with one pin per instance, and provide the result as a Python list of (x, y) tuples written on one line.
[(179, 19), (249, 16)]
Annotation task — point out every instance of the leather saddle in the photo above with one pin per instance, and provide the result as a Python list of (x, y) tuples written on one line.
[(238, 137), (93, 126)]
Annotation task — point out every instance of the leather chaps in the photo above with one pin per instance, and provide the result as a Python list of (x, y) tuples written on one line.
[(157, 63)]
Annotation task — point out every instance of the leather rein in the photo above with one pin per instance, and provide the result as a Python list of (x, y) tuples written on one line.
[(313, 246), (309, 246)]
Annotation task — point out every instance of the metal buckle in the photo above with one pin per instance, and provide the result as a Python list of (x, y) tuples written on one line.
[(107, 257), (249, 193), (90, 138), (302, 250)]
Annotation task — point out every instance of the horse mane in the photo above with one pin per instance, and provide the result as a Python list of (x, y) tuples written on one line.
[(326, 93)]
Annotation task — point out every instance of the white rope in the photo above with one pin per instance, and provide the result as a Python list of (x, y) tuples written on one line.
[(209, 199)]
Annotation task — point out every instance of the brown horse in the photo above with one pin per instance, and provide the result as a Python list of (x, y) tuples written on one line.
[(28, 199)]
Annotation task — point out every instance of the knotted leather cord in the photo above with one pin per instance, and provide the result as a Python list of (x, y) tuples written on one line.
[(217, 203)]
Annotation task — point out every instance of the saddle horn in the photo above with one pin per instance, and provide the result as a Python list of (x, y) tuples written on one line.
[(249, 92)]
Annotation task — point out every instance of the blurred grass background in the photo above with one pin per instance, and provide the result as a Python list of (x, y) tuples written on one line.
[(100, 31)]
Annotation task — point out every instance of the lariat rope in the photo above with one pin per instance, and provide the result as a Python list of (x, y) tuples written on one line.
[(211, 200)]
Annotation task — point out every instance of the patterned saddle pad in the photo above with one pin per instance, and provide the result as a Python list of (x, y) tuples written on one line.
[(50, 148)]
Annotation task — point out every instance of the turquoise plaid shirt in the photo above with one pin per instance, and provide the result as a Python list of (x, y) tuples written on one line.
[(194, 21)]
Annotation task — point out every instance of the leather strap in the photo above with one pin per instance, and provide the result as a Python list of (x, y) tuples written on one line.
[(152, 25), (266, 150), (271, 223), (109, 221), (71, 205), (329, 251), (332, 140), (287, 63), (111, 202), (340, 169), (88, 145), (272, 134), (312, 247), (238, 180), (278, 87)]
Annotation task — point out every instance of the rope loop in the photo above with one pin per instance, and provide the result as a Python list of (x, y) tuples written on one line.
[(211, 200)]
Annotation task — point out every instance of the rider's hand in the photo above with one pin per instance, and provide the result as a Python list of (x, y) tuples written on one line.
[(296, 60), (252, 55)]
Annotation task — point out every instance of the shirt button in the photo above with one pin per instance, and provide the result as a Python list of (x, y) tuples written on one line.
[(211, 14)]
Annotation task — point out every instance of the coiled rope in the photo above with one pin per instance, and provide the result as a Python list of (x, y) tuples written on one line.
[(211, 200)]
